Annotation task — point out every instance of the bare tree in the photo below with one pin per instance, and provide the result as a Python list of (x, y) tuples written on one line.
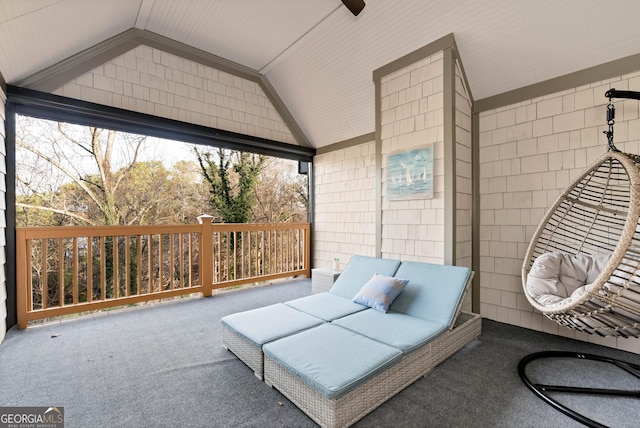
[(93, 176), (78, 175), (83, 156), (281, 193)]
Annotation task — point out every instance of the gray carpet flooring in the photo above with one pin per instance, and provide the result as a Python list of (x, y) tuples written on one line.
[(164, 366)]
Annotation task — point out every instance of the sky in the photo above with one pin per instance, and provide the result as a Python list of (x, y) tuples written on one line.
[(168, 151)]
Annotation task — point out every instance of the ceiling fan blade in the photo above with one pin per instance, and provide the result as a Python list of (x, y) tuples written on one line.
[(355, 6)]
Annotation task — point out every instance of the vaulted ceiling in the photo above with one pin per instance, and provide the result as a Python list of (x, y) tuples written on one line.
[(319, 57)]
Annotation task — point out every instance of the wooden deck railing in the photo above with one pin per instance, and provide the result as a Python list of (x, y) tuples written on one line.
[(66, 270)]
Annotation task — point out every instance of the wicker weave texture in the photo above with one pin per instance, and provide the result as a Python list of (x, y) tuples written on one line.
[(466, 328), (248, 353), (323, 279), (354, 405), (597, 214)]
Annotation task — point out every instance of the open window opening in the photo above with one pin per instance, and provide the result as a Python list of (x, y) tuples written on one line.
[(81, 164)]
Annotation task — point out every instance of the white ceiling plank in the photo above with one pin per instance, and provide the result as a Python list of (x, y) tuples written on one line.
[(249, 32), (15, 9), (43, 37)]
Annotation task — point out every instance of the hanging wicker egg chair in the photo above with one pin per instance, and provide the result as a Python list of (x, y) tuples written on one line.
[(598, 214)]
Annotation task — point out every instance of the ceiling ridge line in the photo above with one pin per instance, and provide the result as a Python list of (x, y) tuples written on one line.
[(260, 70), (144, 12)]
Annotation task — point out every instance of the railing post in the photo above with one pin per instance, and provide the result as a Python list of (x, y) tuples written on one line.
[(307, 250), (22, 287), (206, 254)]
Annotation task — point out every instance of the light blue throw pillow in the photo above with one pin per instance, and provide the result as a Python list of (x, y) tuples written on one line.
[(380, 291)]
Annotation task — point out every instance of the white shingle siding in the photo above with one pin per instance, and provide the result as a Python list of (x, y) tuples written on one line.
[(150, 81), (529, 153), (344, 188), (412, 117)]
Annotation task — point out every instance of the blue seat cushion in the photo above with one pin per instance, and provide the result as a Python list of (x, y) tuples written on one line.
[(434, 292), (331, 359), (402, 331), (358, 271), (326, 306), (262, 325)]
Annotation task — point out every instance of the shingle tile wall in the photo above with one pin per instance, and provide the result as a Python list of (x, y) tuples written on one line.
[(151, 81), (529, 153), (412, 117), (344, 189)]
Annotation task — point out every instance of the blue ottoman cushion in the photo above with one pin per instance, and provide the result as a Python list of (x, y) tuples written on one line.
[(262, 325), (331, 359)]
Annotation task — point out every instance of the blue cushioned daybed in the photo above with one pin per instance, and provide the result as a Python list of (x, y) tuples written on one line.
[(245, 333), (382, 325)]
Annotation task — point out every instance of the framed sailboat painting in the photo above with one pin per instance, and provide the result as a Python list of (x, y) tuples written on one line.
[(410, 174)]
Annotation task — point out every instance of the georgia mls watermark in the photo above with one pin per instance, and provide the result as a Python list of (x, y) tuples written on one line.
[(31, 417)]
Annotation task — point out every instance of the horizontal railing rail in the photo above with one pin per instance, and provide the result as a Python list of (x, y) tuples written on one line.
[(68, 270)]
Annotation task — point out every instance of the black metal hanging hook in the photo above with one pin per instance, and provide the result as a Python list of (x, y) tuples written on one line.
[(613, 93), (611, 112), (611, 115)]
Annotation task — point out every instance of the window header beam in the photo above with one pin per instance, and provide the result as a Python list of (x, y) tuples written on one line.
[(55, 107)]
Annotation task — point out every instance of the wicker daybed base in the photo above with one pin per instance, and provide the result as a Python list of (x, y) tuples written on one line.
[(247, 352), (351, 407)]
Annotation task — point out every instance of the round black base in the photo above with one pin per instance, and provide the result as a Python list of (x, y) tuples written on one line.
[(542, 390)]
